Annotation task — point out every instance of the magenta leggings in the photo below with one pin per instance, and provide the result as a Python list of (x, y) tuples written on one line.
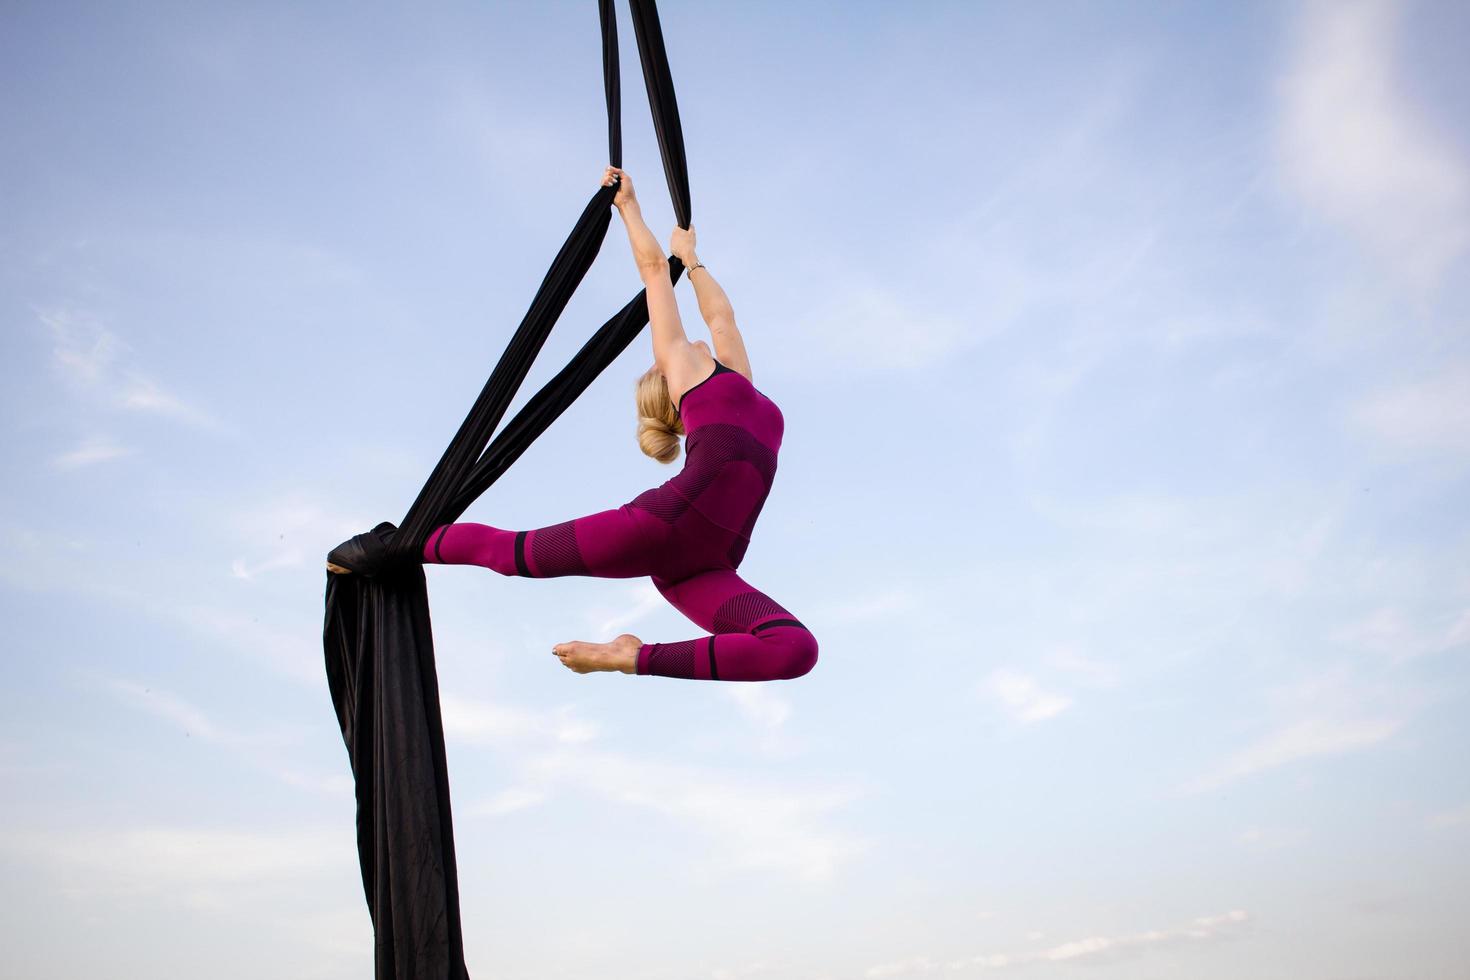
[(692, 563)]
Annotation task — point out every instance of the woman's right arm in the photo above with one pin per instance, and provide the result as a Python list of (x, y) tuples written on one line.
[(676, 357), (714, 305)]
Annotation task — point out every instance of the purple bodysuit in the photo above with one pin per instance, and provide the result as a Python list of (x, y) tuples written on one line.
[(688, 535)]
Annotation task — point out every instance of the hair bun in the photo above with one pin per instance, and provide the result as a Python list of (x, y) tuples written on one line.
[(659, 426)]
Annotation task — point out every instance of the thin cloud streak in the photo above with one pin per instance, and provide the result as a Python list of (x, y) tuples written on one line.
[(90, 454), (751, 826), (1306, 739), (268, 751), (1022, 697), (1091, 948), (1356, 149), (1430, 415), (93, 360), (159, 860)]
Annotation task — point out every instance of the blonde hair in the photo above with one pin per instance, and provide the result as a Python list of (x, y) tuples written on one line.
[(659, 426)]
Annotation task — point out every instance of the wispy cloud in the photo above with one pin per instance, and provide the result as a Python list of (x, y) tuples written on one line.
[(90, 453), (1456, 817), (1363, 154), (286, 530), (84, 351), (883, 604), (751, 825), (285, 559), (640, 601), (1089, 949), (1022, 697), (755, 969), (760, 704), (507, 801), (1305, 739), (1081, 668), (1267, 838), (757, 825), (94, 361), (286, 647), (266, 750), (767, 712), (167, 859), (481, 722), (1427, 415), (1392, 632), (140, 395), (873, 326)]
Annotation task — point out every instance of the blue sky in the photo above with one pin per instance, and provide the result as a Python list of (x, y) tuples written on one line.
[(1124, 355)]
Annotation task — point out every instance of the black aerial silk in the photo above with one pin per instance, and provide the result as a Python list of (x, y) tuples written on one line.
[(379, 648)]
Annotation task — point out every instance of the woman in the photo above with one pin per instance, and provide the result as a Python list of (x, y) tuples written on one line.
[(689, 534)]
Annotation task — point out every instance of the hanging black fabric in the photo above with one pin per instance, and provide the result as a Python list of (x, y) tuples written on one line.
[(378, 644)]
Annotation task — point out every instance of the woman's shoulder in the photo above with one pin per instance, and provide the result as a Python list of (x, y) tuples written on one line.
[(684, 367)]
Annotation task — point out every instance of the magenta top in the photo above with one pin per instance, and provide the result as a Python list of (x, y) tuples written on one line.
[(732, 436)]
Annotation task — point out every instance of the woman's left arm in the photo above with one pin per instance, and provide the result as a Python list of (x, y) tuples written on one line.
[(670, 343)]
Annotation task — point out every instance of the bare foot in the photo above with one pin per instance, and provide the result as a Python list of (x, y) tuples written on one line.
[(621, 654)]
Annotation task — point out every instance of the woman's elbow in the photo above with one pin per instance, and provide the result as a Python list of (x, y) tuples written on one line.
[(653, 270)]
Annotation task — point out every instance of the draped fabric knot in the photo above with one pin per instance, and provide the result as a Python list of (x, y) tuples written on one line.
[(373, 553)]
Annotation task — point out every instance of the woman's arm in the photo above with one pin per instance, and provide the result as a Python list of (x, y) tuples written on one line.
[(647, 252), (714, 306), (678, 359)]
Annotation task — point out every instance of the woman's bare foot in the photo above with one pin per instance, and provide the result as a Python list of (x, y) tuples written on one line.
[(621, 654)]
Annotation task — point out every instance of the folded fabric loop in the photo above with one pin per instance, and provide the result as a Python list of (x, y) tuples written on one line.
[(371, 553)]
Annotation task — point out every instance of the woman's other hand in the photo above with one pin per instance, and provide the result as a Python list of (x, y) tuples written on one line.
[(682, 245), (625, 186)]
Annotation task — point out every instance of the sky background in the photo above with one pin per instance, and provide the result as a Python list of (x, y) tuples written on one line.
[(1123, 350)]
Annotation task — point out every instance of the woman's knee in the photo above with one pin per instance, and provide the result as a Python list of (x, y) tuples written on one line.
[(798, 651)]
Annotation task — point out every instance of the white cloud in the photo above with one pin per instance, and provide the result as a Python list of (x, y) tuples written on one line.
[(751, 826), (767, 711), (93, 360), (146, 396), (480, 722), (1431, 414), (170, 708), (1022, 697), (641, 600), (749, 970), (1304, 739), (1090, 948), (1359, 151), (1457, 817), (1267, 838), (1389, 631), (89, 453), (872, 326), (508, 801), (760, 704), (290, 650), (285, 559), (1081, 668), (272, 751), (156, 860), (84, 350), (886, 604), (287, 528)]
